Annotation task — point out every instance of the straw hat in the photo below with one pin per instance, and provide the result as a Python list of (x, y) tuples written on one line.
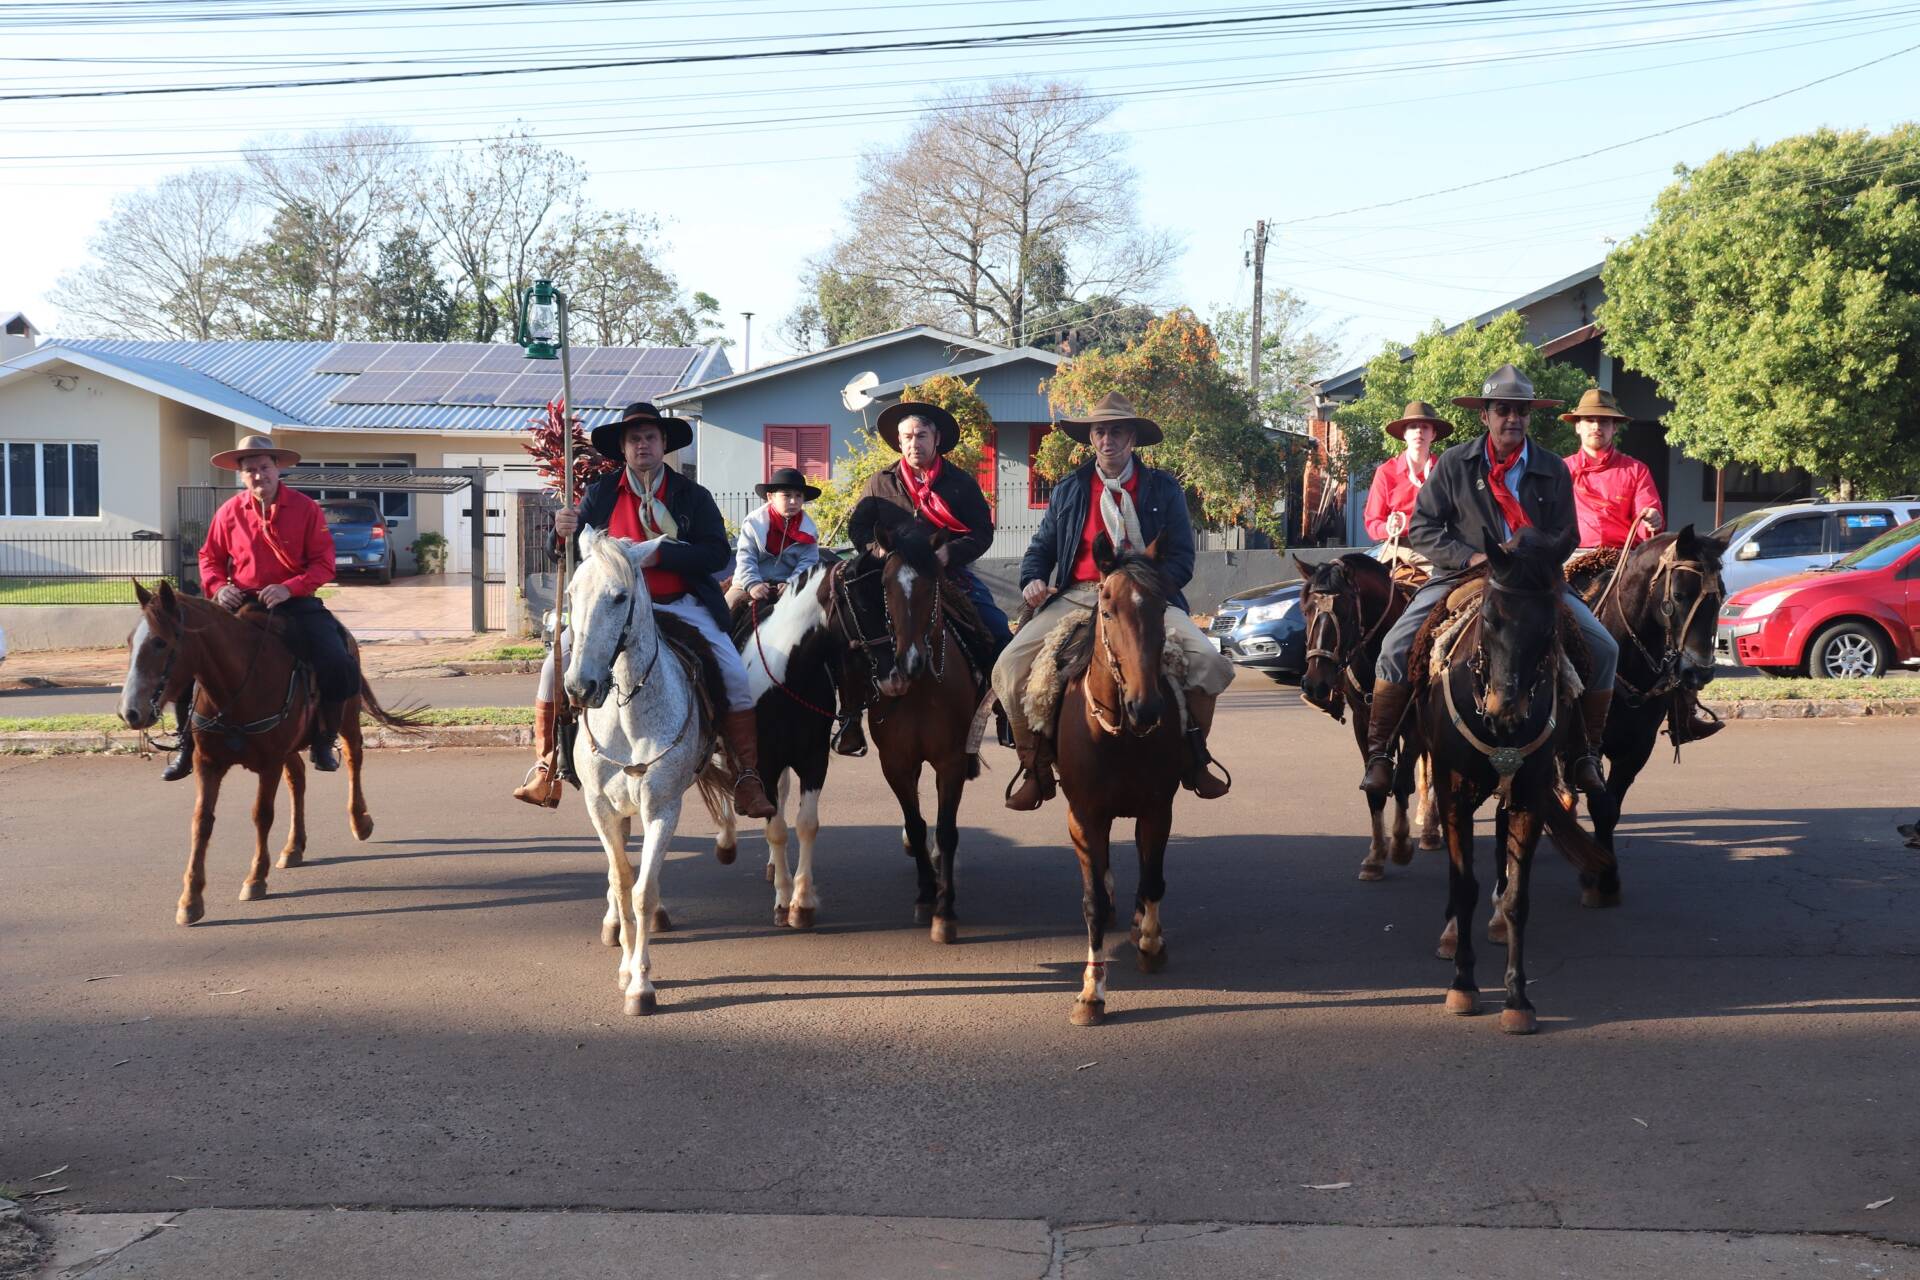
[(229, 460)]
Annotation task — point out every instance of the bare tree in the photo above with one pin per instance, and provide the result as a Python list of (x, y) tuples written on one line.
[(160, 262), (489, 211), (619, 292), (993, 187)]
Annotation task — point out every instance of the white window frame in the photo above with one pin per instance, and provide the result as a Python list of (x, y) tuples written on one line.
[(40, 479)]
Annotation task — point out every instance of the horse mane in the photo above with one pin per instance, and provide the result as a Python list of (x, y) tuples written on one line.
[(1148, 576), (612, 555), (1354, 564), (912, 540), (1535, 562)]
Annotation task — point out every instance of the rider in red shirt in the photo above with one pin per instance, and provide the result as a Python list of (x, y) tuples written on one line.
[(1396, 482)]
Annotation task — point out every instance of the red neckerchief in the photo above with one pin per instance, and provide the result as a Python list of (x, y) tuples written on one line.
[(781, 534), (267, 534), (1516, 515), (930, 505), (628, 520), (1591, 463)]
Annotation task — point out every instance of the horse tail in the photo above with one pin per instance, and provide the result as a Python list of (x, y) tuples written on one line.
[(407, 719), (973, 766), (715, 785), (1587, 854)]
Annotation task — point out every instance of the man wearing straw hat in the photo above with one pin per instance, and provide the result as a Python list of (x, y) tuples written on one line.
[(1480, 494), (270, 544), (1133, 504), (1397, 481)]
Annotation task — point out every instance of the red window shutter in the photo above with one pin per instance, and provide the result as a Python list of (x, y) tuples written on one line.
[(814, 452), (987, 473), (782, 450), (1039, 488)]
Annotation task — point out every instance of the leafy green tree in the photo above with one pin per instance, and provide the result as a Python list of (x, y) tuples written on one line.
[(868, 453), (1775, 299), (1445, 364), (408, 301), (840, 306), (1293, 352), (280, 278)]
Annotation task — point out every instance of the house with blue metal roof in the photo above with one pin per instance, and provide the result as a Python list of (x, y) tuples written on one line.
[(99, 437)]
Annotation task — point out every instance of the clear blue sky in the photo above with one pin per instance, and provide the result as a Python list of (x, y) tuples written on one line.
[(1306, 123)]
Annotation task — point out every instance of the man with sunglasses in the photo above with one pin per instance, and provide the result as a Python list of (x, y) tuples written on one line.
[(1484, 492)]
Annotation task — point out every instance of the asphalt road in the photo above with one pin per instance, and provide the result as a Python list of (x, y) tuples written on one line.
[(429, 1018), (393, 691)]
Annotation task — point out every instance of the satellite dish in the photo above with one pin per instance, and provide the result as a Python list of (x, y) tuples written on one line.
[(858, 394)]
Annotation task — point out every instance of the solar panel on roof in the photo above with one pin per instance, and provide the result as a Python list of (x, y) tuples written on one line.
[(456, 356), (425, 387), (610, 360), (532, 389), (479, 388), (369, 388), (351, 357), (671, 361), (643, 389), (502, 359), (403, 357), (595, 391)]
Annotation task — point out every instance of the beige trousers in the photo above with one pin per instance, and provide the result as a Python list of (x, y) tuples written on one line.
[(1207, 669)]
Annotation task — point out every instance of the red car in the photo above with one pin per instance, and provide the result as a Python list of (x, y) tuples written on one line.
[(1856, 618)]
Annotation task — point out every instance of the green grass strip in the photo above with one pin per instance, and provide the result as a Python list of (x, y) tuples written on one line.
[(1787, 689), (99, 723)]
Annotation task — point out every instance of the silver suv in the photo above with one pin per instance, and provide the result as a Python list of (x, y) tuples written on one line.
[(1776, 541)]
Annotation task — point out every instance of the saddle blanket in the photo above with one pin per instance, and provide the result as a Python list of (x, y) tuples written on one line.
[(1066, 654)]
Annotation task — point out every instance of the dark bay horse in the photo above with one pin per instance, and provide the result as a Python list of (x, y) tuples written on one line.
[(253, 707), (892, 616), (1119, 755), (1489, 717), (1661, 603), (1349, 603)]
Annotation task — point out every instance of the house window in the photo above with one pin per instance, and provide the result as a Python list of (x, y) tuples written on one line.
[(1039, 488), (393, 506), (49, 479), (803, 447)]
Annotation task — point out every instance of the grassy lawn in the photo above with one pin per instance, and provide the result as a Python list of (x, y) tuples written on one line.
[(508, 653), (107, 723), (1783, 689), (94, 591)]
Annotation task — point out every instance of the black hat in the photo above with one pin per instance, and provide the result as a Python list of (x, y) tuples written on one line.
[(677, 433), (788, 478), (943, 422)]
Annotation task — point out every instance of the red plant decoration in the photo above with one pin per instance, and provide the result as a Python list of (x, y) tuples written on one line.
[(548, 448)]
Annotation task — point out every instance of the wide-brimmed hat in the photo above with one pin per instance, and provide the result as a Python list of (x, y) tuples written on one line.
[(676, 433), (1114, 411), (943, 422), (787, 478), (1506, 384), (229, 460), (1596, 403), (1418, 411)]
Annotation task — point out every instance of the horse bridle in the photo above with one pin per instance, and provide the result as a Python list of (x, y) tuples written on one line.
[(1112, 722), (1666, 668), (1506, 760), (855, 635), (218, 722), (1336, 655), (636, 768)]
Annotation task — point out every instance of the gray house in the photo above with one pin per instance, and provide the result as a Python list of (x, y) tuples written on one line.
[(796, 413)]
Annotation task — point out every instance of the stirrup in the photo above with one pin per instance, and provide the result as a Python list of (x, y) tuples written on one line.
[(839, 736)]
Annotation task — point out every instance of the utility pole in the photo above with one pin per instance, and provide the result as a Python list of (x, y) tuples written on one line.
[(1259, 285), (746, 354)]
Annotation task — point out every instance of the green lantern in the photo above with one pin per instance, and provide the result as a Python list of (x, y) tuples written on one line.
[(540, 321)]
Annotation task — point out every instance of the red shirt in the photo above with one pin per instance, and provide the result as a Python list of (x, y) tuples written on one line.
[(628, 521), (1393, 489), (1084, 569), (289, 545), (1608, 492)]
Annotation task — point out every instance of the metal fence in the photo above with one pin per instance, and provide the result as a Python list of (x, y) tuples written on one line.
[(82, 570)]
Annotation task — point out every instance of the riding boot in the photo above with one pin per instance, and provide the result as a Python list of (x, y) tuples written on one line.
[(1033, 786), (541, 787), (849, 741), (1586, 768), (743, 742), (1383, 725), (326, 727), (180, 763), (1199, 779), (1689, 723)]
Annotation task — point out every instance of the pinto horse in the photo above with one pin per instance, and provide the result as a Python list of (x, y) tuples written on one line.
[(253, 707), (890, 614), (1119, 755), (1489, 714), (1349, 604)]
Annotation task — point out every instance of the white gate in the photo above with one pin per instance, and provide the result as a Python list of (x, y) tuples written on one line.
[(506, 472)]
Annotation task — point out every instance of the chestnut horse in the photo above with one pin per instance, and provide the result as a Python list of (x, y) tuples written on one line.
[(1489, 717), (1119, 754), (890, 613), (253, 707)]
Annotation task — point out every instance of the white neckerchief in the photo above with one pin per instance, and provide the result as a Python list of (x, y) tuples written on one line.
[(1117, 511), (653, 512), (1420, 481)]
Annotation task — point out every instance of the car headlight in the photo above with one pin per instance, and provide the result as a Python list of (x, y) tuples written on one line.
[(1766, 604), (1270, 612)]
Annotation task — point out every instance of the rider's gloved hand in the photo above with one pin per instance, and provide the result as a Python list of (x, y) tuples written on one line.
[(230, 597), (274, 593)]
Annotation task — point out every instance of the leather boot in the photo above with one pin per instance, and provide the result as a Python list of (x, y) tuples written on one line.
[(1199, 779), (1389, 708), (180, 763), (326, 727), (850, 741), (1690, 723), (1033, 786), (743, 742), (1586, 768), (541, 787)]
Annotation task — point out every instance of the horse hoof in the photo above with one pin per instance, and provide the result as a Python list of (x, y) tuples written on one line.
[(1401, 853), (767, 873), (1518, 1022), (724, 854), (190, 915), (1372, 871), (362, 827), (801, 917), (1596, 898), (641, 1005), (943, 931), (662, 922), (1497, 930), (290, 859), (1447, 948), (1463, 1003), (922, 912), (252, 892), (1432, 844), (1154, 961), (1088, 1013)]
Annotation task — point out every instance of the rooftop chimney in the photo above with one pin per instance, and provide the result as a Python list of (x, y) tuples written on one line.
[(17, 336)]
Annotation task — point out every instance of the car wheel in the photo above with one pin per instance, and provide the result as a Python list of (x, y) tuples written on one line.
[(385, 575), (1848, 651)]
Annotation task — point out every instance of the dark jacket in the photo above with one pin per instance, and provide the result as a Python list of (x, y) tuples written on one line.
[(963, 497), (1162, 509), (1457, 517), (701, 550)]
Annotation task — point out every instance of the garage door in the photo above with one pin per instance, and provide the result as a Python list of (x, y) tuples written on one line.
[(506, 473)]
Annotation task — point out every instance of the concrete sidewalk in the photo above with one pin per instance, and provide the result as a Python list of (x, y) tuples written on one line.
[(366, 1244)]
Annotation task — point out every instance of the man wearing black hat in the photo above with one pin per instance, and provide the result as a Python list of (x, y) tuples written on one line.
[(648, 501), (921, 485), (1479, 493)]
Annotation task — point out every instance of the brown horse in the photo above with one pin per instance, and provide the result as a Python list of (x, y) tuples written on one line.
[(890, 612), (1119, 756), (253, 707)]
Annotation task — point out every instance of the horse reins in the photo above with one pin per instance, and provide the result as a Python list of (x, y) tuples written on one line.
[(1112, 723), (753, 609), (1505, 760), (636, 769), (1345, 660), (1666, 674)]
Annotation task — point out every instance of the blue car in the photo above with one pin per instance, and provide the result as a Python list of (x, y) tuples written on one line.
[(1262, 629), (360, 541)]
